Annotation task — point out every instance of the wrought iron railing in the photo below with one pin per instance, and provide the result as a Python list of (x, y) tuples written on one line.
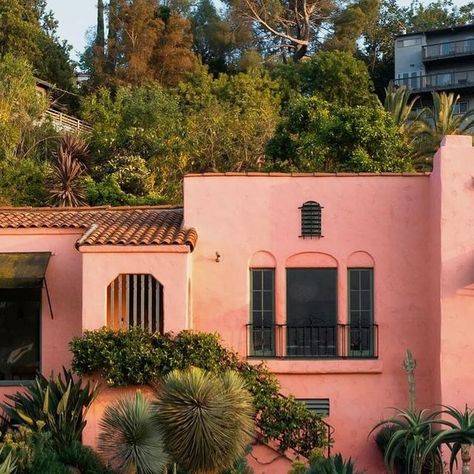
[(351, 341), (448, 49), (438, 81)]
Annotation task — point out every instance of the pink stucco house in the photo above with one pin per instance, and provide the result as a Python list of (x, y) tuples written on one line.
[(327, 277)]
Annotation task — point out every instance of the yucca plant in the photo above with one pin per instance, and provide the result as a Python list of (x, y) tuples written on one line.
[(333, 465), (458, 435), (56, 405), (412, 433), (130, 439), (207, 420)]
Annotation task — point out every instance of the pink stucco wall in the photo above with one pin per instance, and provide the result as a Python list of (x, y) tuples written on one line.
[(383, 217), (416, 231)]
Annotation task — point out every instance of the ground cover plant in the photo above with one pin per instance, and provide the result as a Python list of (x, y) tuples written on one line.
[(135, 357)]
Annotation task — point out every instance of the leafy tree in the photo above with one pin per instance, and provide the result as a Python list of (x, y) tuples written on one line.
[(20, 105), (292, 26), (27, 30), (335, 76), (350, 23), (207, 420), (437, 14), (318, 136)]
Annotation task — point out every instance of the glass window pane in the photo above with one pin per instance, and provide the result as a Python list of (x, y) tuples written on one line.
[(365, 300), (20, 311), (355, 300), (365, 279), (268, 280), (256, 279), (257, 301), (354, 280)]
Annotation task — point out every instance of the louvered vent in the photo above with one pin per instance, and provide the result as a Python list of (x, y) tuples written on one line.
[(135, 300), (318, 405), (310, 219)]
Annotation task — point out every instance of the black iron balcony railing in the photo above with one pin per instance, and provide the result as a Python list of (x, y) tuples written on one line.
[(438, 81), (448, 49), (315, 342)]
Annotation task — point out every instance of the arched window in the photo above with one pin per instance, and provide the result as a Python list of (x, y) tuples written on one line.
[(310, 219), (135, 300)]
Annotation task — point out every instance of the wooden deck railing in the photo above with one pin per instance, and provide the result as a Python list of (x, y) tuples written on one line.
[(67, 123)]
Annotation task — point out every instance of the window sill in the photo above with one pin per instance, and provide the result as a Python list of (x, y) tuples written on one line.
[(320, 366)]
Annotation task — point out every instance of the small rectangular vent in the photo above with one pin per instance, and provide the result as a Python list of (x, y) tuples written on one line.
[(317, 405)]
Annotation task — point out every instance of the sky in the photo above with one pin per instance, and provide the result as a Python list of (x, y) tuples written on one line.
[(77, 16)]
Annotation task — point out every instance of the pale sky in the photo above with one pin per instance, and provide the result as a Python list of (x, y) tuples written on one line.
[(76, 16)]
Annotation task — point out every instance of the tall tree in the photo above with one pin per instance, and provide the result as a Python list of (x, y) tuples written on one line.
[(293, 25), (29, 31)]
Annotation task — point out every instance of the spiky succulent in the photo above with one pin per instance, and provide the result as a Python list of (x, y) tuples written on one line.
[(207, 420), (130, 437)]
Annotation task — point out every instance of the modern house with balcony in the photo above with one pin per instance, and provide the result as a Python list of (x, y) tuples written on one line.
[(437, 60), (327, 278)]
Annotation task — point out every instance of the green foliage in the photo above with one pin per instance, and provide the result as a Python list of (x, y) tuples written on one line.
[(408, 435), (7, 463), (131, 438), (136, 357), (20, 104), (319, 137), (207, 419), (108, 192), (334, 76), (28, 31), (130, 173), (57, 405), (332, 465), (23, 182), (81, 457), (35, 452)]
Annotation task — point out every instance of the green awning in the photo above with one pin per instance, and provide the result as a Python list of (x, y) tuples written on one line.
[(23, 269)]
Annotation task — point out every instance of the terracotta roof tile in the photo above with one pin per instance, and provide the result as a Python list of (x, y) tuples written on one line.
[(107, 225)]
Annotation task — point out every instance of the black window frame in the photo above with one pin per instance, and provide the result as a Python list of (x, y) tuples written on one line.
[(366, 331), (311, 220), (262, 331), (38, 336)]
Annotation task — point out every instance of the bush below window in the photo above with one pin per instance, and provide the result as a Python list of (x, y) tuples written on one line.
[(135, 357)]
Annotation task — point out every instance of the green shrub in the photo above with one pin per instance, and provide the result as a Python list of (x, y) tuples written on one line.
[(333, 465), (55, 405), (7, 463), (81, 457), (136, 357)]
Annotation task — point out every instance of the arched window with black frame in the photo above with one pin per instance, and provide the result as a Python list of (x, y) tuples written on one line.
[(310, 220)]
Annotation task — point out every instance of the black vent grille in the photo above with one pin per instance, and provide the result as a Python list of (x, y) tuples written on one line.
[(317, 405), (310, 219)]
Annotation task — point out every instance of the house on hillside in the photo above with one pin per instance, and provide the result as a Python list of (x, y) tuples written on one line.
[(57, 111), (437, 60), (328, 278)]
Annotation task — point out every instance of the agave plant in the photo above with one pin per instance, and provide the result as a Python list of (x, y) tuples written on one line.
[(207, 420), (333, 465), (458, 435), (131, 439), (57, 405), (412, 433)]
